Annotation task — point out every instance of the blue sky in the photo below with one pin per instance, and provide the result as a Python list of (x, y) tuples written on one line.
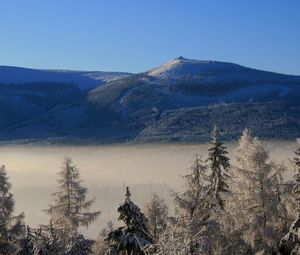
[(135, 35)]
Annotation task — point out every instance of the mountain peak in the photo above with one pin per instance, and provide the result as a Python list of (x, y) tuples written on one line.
[(181, 58), (182, 66)]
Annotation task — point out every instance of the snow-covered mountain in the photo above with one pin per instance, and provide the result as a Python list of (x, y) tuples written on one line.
[(184, 67), (85, 80), (179, 101), (207, 70)]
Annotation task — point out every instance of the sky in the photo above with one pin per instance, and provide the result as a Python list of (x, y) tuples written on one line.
[(136, 35)]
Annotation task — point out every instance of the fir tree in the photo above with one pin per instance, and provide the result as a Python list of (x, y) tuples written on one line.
[(218, 165), (132, 238), (11, 227), (156, 211), (70, 209)]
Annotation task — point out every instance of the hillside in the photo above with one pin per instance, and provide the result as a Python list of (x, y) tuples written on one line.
[(179, 101), (85, 80)]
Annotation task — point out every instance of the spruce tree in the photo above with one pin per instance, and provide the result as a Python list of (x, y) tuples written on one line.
[(218, 165), (70, 208), (134, 236), (11, 227)]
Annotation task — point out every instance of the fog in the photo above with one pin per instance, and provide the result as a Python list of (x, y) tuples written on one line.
[(106, 171)]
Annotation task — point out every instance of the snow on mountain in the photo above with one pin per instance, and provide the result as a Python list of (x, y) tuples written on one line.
[(85, 80), (183, 99), (180, 100), (182, 67), (212, 71)]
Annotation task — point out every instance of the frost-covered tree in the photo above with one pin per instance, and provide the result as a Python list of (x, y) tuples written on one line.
[(156, 211), (296, 188), (70, 209), (100, 246), (255, 204), (132, 238), (11, 226), (171, 241), (218, 165), (44, 241), (191, 206), (79, 245), (290, 243)]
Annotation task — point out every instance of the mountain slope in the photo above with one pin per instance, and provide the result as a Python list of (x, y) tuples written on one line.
[(84, 79), (179, 101)]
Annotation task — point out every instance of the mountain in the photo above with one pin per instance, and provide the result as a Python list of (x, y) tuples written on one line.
[(179, 101), (83, 79)]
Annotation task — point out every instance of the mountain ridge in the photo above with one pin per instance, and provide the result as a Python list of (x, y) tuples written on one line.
[(179, 101), (84, 79)]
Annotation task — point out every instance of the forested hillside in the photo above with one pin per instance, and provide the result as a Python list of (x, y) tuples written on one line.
[(179, 101)]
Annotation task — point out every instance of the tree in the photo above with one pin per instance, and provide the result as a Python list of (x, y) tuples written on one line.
[(156, 211), (11, 227), (290, 243), (218, 165), (255, 204), (170, 242), (296, 161), (132, 238), (100, 246), (70, 208), (192, 206)]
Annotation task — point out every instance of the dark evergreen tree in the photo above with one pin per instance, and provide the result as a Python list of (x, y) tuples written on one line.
[(218, 165), (132, 238)]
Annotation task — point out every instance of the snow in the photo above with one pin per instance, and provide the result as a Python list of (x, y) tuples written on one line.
[(85, 80), (182, 66)]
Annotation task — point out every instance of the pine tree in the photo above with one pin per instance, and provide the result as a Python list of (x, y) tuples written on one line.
[(156, 211), (218, 165), (132, 238), (70, 209), (259, 216), (290, 243), (11, 227)]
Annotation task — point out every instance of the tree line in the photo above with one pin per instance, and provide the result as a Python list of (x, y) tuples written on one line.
[(241, 208)]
